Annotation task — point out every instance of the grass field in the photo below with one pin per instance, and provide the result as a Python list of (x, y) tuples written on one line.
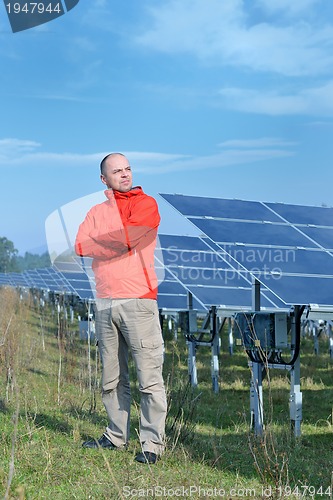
[(50, 402)]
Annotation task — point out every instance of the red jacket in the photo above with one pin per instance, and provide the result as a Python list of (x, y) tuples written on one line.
[(120, 235)]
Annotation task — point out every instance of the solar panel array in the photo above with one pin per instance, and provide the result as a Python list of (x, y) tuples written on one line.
[(42, 279), (288, 248)]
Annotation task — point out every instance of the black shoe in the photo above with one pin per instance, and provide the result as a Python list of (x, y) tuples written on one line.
[(102, 442), (147, 457)]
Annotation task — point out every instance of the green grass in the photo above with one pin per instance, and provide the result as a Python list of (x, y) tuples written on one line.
[(43, 421)]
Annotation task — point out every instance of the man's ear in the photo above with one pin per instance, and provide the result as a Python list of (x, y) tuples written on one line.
[(103, 179)]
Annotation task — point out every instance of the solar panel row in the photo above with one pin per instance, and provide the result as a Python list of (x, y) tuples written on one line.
[(43, 279)]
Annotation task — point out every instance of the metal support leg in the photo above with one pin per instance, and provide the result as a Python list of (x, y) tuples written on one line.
[(256, 399), (231, 337), (330, 338), (172, 326), (71, 312), (214, 331), (215, 364), (192, 365), (295, 400), (175, 329), (315, 333)]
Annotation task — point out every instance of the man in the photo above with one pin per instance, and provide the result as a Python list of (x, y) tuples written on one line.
[(120, 235)]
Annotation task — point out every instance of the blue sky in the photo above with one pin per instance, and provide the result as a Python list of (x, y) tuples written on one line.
[(223, 98)]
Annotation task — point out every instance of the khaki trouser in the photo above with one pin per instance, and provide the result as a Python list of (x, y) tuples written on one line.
[(123, 324)]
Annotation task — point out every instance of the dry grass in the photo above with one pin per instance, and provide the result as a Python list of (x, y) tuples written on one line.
[(51, 403)]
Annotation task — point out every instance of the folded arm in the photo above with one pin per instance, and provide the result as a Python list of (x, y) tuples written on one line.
[(90, 243), (137, 232)]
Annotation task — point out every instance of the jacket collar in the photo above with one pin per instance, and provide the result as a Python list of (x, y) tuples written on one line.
[(118, 195)]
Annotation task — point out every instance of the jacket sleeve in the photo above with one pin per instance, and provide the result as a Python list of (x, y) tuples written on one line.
[(90, 243), (142, 225)]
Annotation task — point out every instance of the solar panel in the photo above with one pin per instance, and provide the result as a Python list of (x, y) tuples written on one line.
[(281, 260), (172, 295), (196, 265), (320, 236), (217, 207), (35, 279), (300, 214), (250, 232), (18, 279), (77, 273), (5, 279), (285, 247), (52, 280)]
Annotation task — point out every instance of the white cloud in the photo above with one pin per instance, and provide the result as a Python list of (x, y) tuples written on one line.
[(10, 143), (17, 152), (288, 7), (10, 148), (320, 123), (228, 158), (262, 142), (261, 102), (311, 101), (220, 33), (61, 97), (25, 152), (80, 46), (100, 3)]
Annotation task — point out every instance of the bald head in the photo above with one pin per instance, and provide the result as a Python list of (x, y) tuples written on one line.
[(112, 157), (116, 172)]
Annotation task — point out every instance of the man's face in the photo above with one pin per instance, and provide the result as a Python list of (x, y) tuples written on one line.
[(117, 173)]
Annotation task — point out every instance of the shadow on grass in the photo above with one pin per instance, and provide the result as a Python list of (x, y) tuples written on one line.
[(52, 423), (37, 372), (93, 417), (276, 458), (3, 407)]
